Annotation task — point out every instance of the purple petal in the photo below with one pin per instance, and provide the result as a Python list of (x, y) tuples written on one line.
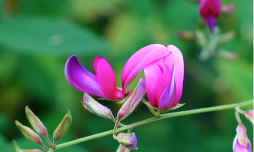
[(176, 58), (140, 59), (81, 79), (167, 96), (106, 78), (211, 23), (240, 148), (133, 140)]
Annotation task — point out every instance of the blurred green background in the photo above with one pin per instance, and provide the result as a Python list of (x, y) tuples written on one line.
[(37, 37)]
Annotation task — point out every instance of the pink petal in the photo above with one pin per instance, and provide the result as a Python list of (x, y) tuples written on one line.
[(106, 78), (140, 59), (81, 79), (153, 75), (176, 58)]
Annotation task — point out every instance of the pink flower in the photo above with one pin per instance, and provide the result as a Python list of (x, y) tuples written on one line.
[(241, 141), (210, 10), (103, 82), (164, 80)]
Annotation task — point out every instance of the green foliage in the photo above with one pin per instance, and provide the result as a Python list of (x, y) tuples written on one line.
[(46, 36)]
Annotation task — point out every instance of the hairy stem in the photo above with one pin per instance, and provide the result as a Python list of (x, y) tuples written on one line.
[(146, 121)]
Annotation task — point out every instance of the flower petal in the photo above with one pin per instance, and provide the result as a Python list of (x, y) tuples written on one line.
[(154, 78), (167, 96), (106, 78), (211, 23), (140, 59), (176, 58), (82, 79)]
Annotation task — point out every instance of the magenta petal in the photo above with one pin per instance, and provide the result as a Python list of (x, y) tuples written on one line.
[(167, 96), (176, 58), (106, 78), (81, 79), (140, 59), (153, 75)]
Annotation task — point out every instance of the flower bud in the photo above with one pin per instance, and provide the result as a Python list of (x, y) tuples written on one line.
[(249, 115), (96, 108), (36, 123), (241, 141), (62, 127), (17, 149), (224, 38), (228, 55), (186, 35), (228, 9), (29, 133), (121, 148), (132, 102), (128, 140)]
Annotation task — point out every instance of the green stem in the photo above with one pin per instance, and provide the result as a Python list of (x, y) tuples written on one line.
[(162, 116)]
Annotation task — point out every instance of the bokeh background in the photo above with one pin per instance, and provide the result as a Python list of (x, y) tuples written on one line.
[(37, 37)]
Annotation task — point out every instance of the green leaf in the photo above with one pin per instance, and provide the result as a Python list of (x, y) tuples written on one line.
[(44, 36)]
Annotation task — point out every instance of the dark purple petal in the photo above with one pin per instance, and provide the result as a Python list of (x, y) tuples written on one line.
[(211, 23), (81, 79)]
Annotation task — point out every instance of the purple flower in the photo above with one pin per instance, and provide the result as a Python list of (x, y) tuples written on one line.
[(210, 10), (128, 140), (164, 80), (241, 141), (103, 82)]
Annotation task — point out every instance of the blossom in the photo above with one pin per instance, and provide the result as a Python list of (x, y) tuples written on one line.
[(241, 141), (103, 82), (164, 80), (210, 10), (128, 140)]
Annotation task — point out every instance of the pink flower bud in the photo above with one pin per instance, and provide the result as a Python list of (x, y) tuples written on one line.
[(29, 133), (128, 140), (132, 102), (210, 11), (241, 141), (96, 108), (62, 127), (36, 123), (249, 115)]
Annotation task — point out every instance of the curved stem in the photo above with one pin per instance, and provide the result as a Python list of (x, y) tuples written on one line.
[(162, 116)]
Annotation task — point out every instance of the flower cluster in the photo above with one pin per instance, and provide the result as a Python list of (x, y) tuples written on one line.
[(164, 73)]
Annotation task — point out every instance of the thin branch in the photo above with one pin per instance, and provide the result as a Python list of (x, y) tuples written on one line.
[(153, 119)]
